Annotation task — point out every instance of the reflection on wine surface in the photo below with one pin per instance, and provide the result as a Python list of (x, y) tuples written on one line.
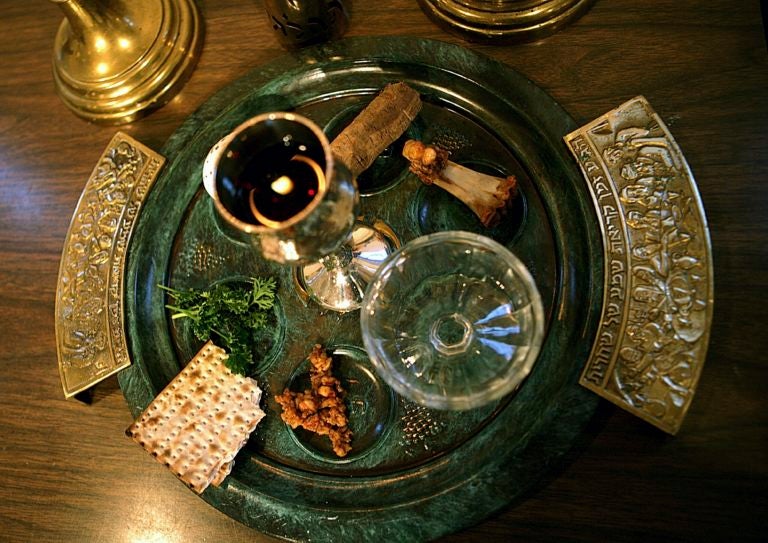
[(283, 195)]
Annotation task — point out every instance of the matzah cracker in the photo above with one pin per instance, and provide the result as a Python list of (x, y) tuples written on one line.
[(200, 421)]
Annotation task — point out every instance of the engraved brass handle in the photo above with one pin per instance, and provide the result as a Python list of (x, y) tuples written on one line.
[(658, 292), (90, 336)]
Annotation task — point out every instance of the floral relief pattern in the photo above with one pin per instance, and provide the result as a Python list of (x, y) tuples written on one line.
[(654, 331), (90, 277)]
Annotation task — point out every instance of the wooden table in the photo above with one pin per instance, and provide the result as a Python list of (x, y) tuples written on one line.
[(67, 473)]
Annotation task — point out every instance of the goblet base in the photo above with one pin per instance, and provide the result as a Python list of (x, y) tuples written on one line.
[(338, 281)]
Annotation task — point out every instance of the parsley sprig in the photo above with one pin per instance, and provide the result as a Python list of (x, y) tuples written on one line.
[(230, 315)]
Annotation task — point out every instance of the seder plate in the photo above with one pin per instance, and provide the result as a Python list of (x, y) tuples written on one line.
[(414, 473)]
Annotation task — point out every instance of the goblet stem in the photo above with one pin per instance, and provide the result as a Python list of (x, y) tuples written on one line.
[(338, 281)]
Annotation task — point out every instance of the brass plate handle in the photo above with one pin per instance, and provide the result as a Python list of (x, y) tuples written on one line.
[(657, 304), (90, 338)]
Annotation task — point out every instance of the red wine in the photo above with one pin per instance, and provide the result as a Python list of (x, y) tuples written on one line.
[(271, 172), (282, 190)]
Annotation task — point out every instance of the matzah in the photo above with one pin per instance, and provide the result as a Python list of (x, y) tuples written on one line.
[(200, 421)]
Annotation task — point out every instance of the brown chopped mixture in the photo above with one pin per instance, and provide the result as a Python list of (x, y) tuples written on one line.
[(320, 409)]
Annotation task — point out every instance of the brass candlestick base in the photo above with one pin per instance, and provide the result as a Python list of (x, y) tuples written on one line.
[(114, 60), (504, 21)]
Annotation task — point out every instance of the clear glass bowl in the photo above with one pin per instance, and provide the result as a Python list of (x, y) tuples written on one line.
[(453, 320)]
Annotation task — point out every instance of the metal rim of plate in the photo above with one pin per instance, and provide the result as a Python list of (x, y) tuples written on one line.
[(517, 447)]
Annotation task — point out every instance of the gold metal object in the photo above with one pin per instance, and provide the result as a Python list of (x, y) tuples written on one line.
[(657, 307), (90, 338), (504, 21), (116, 60)]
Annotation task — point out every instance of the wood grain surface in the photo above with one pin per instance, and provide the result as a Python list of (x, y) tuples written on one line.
[(67, 473)]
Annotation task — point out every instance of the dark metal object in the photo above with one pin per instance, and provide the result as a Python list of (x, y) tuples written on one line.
[(298, 23)]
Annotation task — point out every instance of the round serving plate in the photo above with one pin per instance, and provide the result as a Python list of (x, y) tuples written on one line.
[(413, 473)]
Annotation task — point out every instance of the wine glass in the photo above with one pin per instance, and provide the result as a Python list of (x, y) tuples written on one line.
[(275, 179), (453, 320)]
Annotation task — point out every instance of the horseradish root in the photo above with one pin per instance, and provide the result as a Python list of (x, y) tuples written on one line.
[(376, 127)]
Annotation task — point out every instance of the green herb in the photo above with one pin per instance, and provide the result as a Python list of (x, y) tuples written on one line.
[(232, 315)]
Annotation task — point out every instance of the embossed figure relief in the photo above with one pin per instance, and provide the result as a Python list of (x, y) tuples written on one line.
[(90, 340), (658, 292)]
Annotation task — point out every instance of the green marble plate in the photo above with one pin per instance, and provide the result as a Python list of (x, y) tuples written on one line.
[(414, 473)]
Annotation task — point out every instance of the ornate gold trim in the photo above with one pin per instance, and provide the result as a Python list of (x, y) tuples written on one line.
[(657, 308), (90, 339)]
